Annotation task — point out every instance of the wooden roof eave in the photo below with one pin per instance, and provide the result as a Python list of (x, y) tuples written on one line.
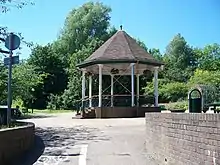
[(118, 61)]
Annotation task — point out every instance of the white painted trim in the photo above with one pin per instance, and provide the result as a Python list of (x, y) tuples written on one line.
[(138, 88), (90, 91), (100, 84), (132, 84), (156, 86), (83, 84), (83, 155), (112, 90)]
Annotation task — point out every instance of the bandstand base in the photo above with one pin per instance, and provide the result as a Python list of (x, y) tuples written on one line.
[(120, 112)]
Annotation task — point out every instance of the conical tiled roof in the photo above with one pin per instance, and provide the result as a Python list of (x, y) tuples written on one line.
[(120, 48)]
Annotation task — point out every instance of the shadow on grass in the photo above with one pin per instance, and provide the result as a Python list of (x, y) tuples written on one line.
[(55, 144)]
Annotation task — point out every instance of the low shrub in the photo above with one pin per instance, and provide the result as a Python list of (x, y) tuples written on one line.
[(180, 105)]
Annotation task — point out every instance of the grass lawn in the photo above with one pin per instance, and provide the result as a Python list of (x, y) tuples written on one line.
[(48, 111), (43, 113)]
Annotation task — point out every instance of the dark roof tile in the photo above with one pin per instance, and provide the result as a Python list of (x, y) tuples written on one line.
[(120, 47)]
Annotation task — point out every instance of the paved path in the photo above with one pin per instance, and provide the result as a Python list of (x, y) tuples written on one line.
[(62, 140)]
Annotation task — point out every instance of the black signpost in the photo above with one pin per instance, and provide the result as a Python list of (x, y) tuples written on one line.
[(12, 42)]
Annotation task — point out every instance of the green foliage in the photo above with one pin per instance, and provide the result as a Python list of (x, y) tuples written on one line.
[(24, 80), (18, 102), (55, 102), (179, 105), (85, 29), (174, 91), (204, 77), (209, 82), (156, 54), (6, 5), (179, 59), (83, 25), (3, 85), (209, 57), (142, 44), (168, 91), (46, 61)]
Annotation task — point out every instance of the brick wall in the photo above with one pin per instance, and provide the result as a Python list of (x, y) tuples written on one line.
[(184, 138), (15, 141)]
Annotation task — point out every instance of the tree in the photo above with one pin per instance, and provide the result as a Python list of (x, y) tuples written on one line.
[(179, 59), (142, 44), (83, 25), (6, 5), (209, 57), (46, 61), (85, 30), (168, 91), (156, 54), (209, 82), (3, 84), (205, 77), (24, 79)]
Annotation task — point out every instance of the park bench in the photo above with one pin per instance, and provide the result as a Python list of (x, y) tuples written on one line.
[(214, 106)]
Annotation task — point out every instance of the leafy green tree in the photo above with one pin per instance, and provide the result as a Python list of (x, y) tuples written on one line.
[(209, 82), (6, 5), (168, 91), (85, 30), (46, 61), (209, 57), (142, 44), (84, 25), (24, 81), (179, 59), (3, 85), (205, 77), (156, 54)]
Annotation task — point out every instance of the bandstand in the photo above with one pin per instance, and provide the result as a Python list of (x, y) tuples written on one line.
[(120, 55)]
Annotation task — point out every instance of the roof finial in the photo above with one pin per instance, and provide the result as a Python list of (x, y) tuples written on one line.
[(121, 27)]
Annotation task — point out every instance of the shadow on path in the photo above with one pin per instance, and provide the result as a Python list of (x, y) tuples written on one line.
[(67, 137), (58, 142)]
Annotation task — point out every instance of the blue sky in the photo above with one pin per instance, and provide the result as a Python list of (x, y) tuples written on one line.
[(153, 21)]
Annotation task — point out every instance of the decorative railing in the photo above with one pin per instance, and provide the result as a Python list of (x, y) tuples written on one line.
[(118, 101)]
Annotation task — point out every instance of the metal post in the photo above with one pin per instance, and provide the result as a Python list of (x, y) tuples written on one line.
[(9, 101), (83, 87), (32, 104), (112, 90), (32, 101), (90, 91), (100, 85), (156, 86), (138, 89), (132, 84)]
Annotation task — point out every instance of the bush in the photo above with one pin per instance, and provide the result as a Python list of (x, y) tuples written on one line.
[(173, 91), (180, 105), (55, 102), (18, 102), (168, 91), (208, 82), (203, 77)]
